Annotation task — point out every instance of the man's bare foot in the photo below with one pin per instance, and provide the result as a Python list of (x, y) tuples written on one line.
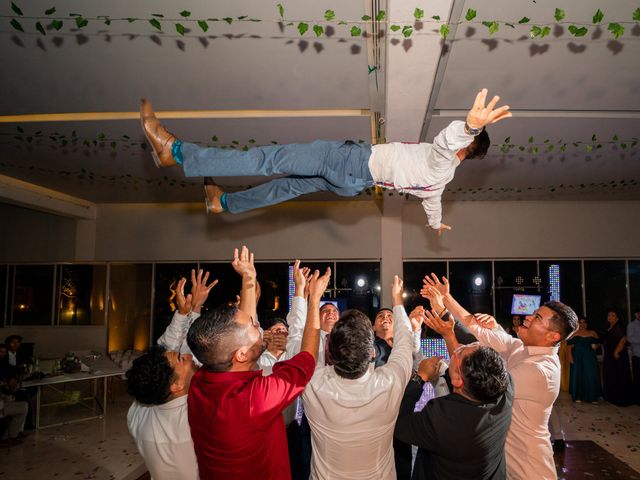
[(158, 137), (212, 199)]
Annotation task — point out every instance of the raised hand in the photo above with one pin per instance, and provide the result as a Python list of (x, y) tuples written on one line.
[(185, 304), (432, 281), (429, 368), (485, 321), (434, 322), (318, 284), (481, 115), (199, 288), (307, 279), (443, 228), (396, 290), (435, 298), (243, 262), (300, 278), (416, 317)]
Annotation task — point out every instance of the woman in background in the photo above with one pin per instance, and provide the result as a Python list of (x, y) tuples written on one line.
[(616, 372), (584, 383)]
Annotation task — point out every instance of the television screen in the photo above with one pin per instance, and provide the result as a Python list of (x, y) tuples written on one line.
[(524, 304)]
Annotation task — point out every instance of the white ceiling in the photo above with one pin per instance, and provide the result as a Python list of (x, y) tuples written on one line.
[(261, 66)]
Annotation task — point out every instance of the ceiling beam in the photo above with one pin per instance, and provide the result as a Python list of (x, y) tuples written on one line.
[(586, 114), (33, 196), (183, 114)]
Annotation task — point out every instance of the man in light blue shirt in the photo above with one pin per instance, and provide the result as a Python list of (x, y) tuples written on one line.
[(633, 337)]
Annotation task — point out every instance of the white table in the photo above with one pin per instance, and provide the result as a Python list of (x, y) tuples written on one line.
[(100, 369)]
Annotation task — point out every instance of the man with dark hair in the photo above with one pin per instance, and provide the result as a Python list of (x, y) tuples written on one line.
[(345, 168), (351, 407), (159, 381), (462, 434), (235, 412), (383, 344), (533, 362)]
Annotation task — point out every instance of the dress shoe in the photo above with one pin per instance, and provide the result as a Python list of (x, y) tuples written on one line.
[(212, 195), (158, 137)]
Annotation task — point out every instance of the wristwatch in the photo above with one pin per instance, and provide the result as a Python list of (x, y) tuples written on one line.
[(417, 378), (472, 131)]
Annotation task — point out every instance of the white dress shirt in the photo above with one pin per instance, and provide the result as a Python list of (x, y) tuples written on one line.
[(352, 421), (421, 169), (161, 432), (536, 377), (633, 338), (163, 438)]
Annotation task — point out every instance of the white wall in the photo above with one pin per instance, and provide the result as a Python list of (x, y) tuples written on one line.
[(320, 230), (52, 342), (28, 235), (526, 230)]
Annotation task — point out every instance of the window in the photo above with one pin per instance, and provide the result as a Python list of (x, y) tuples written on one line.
[(3, 295), (81, 294), (605, 290), (413, 273), (356, 286), (471, 284), (32, 294), (129, 306), (165, 284), (634, 286), (514, 277), (570, 282)]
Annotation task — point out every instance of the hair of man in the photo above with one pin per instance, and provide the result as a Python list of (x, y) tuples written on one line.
[(480, 146), (150, 377), (351, 344), (215, 336), (485, 374), (564, 319)]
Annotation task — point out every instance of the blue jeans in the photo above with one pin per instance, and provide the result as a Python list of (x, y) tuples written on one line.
[(339, 167)]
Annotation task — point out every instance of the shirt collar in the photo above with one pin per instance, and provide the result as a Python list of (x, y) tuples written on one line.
[(535, 350), (227, 377), (175, 403)]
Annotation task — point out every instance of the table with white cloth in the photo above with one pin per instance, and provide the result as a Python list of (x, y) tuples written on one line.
[(62, 394)]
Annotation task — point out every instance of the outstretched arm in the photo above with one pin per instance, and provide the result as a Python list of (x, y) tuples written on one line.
[(311, 336), (243, 264), (451, 304)]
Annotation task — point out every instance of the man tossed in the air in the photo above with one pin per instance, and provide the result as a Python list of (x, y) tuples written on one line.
[(345, 168)]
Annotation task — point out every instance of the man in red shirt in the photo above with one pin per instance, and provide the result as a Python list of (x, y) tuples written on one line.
[(235, 413)]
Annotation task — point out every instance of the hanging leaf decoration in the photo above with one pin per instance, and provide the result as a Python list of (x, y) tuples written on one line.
[(16, 9), (471, 14), (444, 30), (204, 26), (356, 31), (329, 15), (16, 24), (418, 14), (302, 28), (180, 29), (318, 30), (155, 24), (559, 14)]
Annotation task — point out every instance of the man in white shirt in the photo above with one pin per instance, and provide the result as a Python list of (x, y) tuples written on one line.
[(351, 407), (345, 168), (633, 338), (159, 381), (532, 361)]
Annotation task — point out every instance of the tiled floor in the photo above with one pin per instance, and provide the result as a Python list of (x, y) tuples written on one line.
[(102, 449), (615, 429)]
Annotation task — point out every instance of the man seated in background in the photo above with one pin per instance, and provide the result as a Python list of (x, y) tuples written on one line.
[(159, 381), (235, 412), (462, 434), (351, 407), (15, 410)]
